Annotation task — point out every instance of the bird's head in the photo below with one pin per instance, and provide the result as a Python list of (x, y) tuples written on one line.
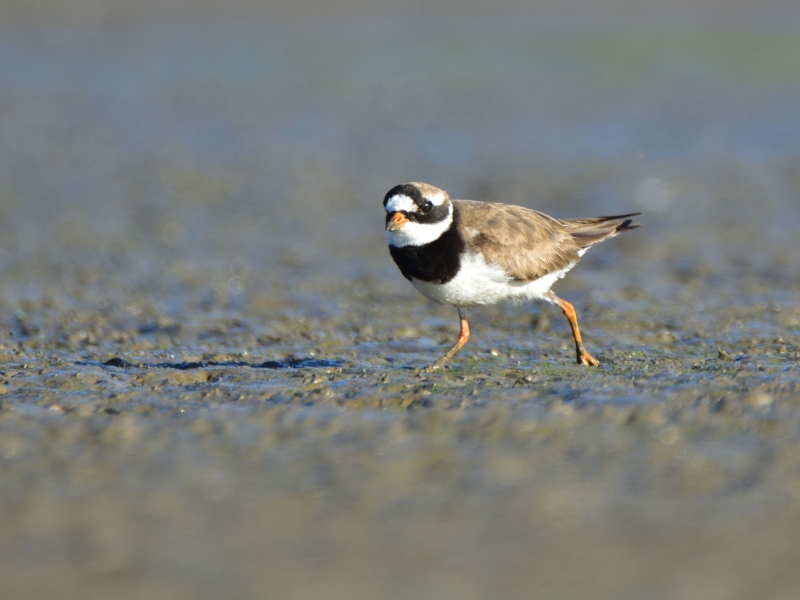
[(416, 214)]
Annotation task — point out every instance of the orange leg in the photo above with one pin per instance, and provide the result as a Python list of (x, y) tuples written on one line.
[(584, 358), (463, 336)]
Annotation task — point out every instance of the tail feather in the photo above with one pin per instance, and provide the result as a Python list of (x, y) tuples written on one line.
[(587, 232)]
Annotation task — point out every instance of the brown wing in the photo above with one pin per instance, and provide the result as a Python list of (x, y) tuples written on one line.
[(529, 244), (526, 243)]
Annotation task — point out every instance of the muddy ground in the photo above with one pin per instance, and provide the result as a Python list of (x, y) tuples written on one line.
[(210, 378)]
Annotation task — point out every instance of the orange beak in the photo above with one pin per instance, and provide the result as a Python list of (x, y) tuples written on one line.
[(397, 221)]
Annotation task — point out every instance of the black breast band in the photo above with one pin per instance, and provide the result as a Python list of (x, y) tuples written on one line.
[(437, 262)]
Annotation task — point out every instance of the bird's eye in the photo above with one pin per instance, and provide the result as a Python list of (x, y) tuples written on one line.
[(426, 208)]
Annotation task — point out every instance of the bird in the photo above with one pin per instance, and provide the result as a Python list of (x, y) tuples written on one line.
[(467, 253)]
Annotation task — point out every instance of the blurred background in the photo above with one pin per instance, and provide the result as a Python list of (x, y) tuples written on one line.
[(198, 180), (267, 133)]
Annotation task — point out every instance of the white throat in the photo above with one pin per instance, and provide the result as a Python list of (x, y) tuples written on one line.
[(419, 234)]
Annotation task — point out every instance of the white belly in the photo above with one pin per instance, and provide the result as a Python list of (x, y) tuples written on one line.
[(478, 283)]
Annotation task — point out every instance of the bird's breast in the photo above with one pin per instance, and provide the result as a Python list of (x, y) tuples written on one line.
[(436, 262)]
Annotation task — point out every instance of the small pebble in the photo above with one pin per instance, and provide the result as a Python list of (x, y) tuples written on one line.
[(117, 362), (723, 355), (668, 435), (666, 336), (758, 399)]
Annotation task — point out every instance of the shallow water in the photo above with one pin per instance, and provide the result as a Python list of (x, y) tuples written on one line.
[(209, 379)]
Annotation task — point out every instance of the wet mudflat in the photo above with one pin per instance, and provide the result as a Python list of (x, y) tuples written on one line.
[(224, 451), (210, 377)]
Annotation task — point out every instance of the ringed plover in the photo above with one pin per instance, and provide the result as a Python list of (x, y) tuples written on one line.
[(465, 253)]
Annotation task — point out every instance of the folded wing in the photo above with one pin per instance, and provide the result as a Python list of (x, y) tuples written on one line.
[(529, 244)]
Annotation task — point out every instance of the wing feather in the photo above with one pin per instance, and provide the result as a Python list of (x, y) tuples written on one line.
[(525, 243), (528, 244)]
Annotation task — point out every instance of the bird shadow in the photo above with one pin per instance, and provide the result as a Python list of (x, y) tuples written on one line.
[(288, 363)]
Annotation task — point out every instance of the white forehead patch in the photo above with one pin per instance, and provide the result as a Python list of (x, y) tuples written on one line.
[(400, 202)]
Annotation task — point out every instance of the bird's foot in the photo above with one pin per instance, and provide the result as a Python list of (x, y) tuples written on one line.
[(436, 367), (584, 358)]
